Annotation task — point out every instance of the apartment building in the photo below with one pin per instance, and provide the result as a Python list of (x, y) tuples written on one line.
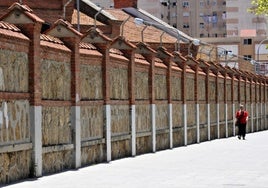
[(211, 18), (242, 23), (204, 18), (214, 21)]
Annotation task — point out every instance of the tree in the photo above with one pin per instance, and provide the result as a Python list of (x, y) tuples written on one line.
[(260, 7)]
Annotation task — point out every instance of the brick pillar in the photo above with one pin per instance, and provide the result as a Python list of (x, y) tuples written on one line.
[(239, 90), (233, 104), (73, 44), (217, 104), (208, 101), (104, 49), (165, 56), (184, 106), (257, 93), (197, 103), (130, 54), (264, 103), (33, 32), (170, 121), (251, 105), (151, 59), (225, 104)]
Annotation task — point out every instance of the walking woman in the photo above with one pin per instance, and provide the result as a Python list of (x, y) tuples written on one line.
[(241, 119)]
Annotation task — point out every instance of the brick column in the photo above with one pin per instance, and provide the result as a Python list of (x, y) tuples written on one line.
[(217, 104), (233, 104), (130, 54), (104, 49), (197, 104), (165, 56), (181, 62), (208, 101), (151, 59), (251, 105), (170, 120), (225, 105), (73, 45), (184, 105), (264, 102), (168, 77), (257, 96), (195, 65), (33, 32)]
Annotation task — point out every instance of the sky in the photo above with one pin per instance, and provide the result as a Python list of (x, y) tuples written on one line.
[(221, 163)]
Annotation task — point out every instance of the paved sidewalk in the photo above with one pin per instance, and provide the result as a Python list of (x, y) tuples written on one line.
[(228, 163)]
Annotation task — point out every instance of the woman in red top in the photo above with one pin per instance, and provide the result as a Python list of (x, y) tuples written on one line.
[(242, 119)]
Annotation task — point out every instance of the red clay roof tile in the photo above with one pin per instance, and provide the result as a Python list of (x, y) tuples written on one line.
[(133, 33), (11, 30)]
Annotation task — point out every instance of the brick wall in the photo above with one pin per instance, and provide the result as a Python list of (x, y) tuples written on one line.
[(151, 99)]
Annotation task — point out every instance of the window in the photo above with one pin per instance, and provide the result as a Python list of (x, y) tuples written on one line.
[(174, 25), (225, 52), (247, 57), (185, 4), (185, 14), (174, 15), (224, 15), (201, 25), (186, 25), (202, 4), (164, 3), (247, 41)]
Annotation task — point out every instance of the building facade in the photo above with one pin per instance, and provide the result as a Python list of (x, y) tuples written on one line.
[(196, 18), (211, 18), (242, 23)]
